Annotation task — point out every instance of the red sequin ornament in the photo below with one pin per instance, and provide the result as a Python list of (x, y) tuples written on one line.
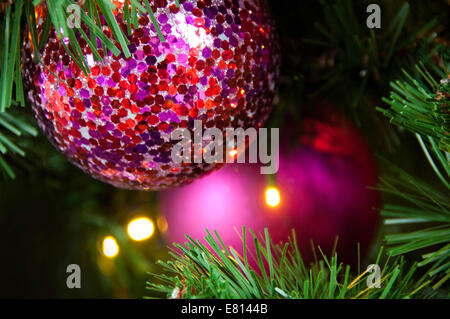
[(219, 64)]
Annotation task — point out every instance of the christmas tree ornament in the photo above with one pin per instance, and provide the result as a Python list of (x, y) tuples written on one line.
[(225, 200), (218, 63), (325, 188), (320, 191)]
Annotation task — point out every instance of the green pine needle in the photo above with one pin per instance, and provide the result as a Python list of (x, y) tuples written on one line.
[(378, 53), (420, 102), (196, 271), (12, 128), (426, 207)]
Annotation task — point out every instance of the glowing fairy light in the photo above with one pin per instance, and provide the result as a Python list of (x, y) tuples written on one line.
[(273, 198), (140, 228), (110, 247), (233, 152)]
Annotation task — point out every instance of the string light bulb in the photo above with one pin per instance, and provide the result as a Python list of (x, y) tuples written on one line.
[(110, 247), (233, 152), (273, 197), (140, 228)]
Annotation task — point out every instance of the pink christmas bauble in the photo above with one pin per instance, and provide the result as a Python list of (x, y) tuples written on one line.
[(225, 199), (219, 64), (323, 193)]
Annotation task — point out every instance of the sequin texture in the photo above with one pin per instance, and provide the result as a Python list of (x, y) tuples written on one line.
[(219, 64)]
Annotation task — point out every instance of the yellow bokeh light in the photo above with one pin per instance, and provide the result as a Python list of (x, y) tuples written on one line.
[(162, 224), (140, 228), (233, 152), (273, 198), (110, 247)]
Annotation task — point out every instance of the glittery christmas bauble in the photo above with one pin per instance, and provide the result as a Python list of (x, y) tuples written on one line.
[(219, 64), (321, 191)]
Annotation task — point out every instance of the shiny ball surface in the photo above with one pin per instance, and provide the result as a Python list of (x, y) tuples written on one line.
[(219, 64)]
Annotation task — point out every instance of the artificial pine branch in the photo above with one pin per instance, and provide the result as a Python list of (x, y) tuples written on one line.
[(429, 209), (196, 271), (367, 58), (420, 102), (11, 129)]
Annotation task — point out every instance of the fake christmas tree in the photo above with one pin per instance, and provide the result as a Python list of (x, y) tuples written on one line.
[(384, 68)]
